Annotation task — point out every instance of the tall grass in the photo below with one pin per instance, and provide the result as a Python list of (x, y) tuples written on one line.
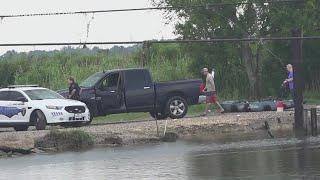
[(165, 62), (51, 69)]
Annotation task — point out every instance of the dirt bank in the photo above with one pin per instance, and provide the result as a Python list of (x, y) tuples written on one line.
[(146, 132)]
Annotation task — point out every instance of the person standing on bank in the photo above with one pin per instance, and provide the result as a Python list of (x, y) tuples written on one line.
[(289, 81), (74, 89), (210, 92)]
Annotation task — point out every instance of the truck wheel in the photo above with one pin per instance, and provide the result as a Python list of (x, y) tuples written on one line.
[(177, 107), (21, 128), (158, 116), (41, 121)]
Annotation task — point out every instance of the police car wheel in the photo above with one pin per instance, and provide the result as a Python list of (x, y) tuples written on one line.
[(21, 128), (41, 121)]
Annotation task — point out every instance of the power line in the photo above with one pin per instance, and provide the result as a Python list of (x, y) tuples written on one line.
[(170, 41), (207, 6)]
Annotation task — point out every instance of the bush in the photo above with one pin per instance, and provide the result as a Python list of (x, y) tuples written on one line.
[(65, 140)]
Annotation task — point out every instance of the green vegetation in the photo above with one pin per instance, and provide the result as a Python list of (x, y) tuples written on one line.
[(51, 69), (121, 118), (166, 62), (65, 140), (248, 69), (193, 110)]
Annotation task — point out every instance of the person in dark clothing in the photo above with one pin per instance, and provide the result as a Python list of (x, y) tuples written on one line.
[(289, 81), (74, 89)]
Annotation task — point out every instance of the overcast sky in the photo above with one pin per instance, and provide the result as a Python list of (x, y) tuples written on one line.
[(119, 26)]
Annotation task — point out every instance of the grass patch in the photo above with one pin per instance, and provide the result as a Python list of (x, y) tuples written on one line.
[(127, 117), (124, 117), (312, 101), (65, 140), (312, 96)]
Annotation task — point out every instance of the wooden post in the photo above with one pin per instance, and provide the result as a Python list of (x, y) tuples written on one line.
[(298, 79), (157, 127), (165, 128), (314, 123), (306, 121)]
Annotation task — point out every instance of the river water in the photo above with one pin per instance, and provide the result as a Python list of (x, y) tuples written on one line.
[(270, 159)]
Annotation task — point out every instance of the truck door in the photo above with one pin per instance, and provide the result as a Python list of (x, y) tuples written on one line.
[(109, 94), (13, 107), (139, 90)]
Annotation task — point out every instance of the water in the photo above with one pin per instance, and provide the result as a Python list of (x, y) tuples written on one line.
[(251, 159)]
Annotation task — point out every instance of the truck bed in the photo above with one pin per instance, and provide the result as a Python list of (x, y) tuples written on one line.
[(187, 88)]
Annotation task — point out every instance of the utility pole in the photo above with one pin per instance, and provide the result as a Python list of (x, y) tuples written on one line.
[(297, 79)]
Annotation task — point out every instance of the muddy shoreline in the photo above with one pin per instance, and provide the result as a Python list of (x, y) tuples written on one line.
[(21, 143)]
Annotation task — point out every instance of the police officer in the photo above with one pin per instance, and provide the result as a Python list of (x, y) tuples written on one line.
[(74, 89)]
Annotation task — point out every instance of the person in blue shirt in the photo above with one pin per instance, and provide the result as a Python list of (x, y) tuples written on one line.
[(289, 81)]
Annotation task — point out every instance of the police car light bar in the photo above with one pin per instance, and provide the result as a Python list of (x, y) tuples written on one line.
[(19, 86)]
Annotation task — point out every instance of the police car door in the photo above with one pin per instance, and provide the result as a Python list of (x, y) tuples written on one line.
[(13, 108)]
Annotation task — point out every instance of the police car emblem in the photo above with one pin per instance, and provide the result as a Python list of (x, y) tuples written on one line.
[(11, 111)]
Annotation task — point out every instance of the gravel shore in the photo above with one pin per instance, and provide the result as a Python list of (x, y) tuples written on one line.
[(146, 132)]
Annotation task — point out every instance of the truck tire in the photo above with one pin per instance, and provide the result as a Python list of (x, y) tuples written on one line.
[(40, 121), (158, 116), (21, 128), (176, 107)]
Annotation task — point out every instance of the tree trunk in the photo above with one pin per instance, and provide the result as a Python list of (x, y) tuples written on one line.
[(253, 69)]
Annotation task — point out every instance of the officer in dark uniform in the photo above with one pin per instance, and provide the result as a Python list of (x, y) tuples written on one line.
[(74, 89)]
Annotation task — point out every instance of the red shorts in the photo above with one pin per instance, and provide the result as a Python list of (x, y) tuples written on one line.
[(212, 98), (202, 86)]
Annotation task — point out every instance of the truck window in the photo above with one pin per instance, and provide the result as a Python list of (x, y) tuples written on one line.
[(110, 82), (135, 79), (92, 80)]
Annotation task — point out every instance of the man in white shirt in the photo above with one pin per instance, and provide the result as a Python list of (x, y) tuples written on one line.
[(210, 92)]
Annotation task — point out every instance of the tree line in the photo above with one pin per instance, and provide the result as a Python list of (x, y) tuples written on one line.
[(258, 64)]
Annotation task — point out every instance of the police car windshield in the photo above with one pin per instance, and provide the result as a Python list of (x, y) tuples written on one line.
[(92, 80), (40, 94)]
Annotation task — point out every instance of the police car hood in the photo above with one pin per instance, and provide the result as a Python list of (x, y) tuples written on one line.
[(62, 102)]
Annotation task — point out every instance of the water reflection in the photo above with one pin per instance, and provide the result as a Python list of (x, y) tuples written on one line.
[(219, 159), (294, 162)]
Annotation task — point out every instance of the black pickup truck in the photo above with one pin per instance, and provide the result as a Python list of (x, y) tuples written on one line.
[(132, 90)]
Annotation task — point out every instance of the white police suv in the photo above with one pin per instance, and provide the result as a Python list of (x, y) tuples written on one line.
[(30, 105)]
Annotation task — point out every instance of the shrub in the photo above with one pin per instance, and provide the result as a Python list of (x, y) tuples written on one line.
[(65, 140)]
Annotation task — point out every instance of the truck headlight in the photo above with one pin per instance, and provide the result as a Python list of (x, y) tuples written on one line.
[(54, 107)]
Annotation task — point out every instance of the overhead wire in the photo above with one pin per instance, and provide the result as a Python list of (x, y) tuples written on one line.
[(154, 41), (166, 41), (150, 8)]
